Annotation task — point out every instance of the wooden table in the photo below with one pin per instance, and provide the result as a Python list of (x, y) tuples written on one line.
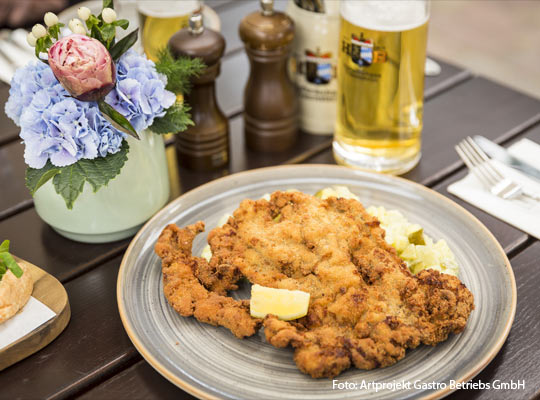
[(94, 358)]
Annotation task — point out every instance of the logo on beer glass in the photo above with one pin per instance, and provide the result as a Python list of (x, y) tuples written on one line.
[(317, 67), (363, 51)]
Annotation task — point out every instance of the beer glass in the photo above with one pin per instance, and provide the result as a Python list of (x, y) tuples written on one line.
[(380, 84), (160, 19)]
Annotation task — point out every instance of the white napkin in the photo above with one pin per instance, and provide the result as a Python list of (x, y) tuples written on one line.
[(14, 46), (6, 70), (33, 315), (522, 213)]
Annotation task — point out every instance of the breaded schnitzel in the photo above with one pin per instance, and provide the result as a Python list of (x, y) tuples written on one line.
[(366, 308), (196, 288)]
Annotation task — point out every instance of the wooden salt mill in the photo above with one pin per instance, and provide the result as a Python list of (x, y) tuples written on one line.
[(204, 146), (270, 101)]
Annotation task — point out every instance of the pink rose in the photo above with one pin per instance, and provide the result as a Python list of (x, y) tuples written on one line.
[(83, 66)]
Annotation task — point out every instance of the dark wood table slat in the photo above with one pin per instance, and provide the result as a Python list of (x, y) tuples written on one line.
[(437, 85), (12, 173), (140, 381), (243, 158), (36, 242), (532, 134), (93, 344), (8, 130)]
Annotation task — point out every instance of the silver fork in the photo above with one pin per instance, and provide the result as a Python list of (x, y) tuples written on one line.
[(482, 166)]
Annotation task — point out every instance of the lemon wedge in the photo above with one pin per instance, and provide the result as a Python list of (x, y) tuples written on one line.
[(283, 303)]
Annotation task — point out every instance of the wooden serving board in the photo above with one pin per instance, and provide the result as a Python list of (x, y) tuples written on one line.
[(50, 292)]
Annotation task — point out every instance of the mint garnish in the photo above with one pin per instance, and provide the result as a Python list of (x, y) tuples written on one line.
[(8, 262)]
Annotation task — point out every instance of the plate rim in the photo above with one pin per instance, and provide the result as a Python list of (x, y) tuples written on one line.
[(171, 377)]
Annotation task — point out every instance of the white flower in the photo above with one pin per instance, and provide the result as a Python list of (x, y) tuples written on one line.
[(84, 13), (39, 31), (79, 29), (50, 19), (31, 39), (74, 23), (108, 15)]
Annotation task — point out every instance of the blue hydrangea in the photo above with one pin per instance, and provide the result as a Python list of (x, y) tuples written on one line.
[(140, 93), (59, 128)]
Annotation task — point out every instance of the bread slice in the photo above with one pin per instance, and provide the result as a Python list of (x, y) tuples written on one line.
[(14, 293)]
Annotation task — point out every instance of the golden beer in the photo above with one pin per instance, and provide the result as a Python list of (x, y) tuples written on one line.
[(160, 19), (380, 85)]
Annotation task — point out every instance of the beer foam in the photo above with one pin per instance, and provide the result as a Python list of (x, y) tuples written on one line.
[(167, 8), (385, 15)]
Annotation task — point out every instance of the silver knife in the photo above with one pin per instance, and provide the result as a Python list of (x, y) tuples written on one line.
[(501, 154)]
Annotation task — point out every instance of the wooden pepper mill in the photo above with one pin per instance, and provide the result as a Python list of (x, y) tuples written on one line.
[(270, 101), (204, 146)]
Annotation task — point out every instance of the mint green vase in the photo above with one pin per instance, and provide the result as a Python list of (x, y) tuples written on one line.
[(119, 209)]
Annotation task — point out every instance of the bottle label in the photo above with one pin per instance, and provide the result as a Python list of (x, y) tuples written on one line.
[(315, 74), (313, 66), (360, 51)]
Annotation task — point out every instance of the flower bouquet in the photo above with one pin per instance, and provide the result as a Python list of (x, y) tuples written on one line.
[(86, 95)]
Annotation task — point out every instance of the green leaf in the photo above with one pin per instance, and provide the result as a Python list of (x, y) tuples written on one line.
[(69, 184), (122, 23), (54, 31), (94, 32), (11, 264), (107, 33), (178, 71), (42, 45), (176, 119), (35, 178), (108, 3), (123, 45), (4, 246), (116, 119), (69, 181), (100, 171), (92, 21)]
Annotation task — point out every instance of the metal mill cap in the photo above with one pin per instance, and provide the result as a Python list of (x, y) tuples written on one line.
[(196, 24), (267, 7)]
